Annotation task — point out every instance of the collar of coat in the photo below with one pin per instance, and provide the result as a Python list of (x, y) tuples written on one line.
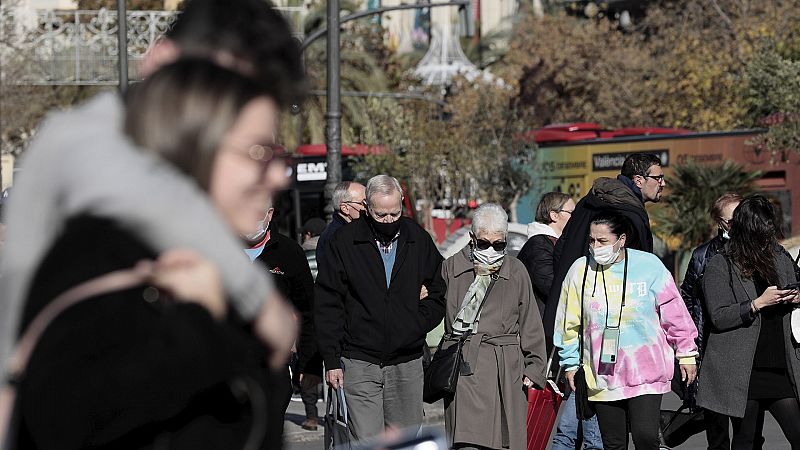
[(462, 264)]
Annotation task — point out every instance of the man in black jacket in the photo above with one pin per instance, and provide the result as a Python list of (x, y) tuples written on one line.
[(370, 321), (641, 180), (286, 261)]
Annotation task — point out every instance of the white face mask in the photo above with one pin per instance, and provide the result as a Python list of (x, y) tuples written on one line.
[(606, 254), (261, 230), (487, 257)]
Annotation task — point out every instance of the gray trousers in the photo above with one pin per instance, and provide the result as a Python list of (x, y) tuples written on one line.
[(378, 397)]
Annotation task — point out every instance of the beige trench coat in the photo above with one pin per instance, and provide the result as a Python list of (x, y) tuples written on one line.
[(490, 406)]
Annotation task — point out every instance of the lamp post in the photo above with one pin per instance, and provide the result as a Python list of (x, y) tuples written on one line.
[(122, 44), (333, 114)]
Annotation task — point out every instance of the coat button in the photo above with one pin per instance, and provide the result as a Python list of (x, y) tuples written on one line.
[(150, 294)]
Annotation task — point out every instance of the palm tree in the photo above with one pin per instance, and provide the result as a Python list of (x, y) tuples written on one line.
[(361, 70), (682, 219)]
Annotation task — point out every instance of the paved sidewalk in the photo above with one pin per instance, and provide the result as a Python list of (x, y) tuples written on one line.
[(296, 414)]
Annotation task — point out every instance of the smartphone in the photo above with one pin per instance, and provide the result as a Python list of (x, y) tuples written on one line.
[(608, 353), (791, 287)]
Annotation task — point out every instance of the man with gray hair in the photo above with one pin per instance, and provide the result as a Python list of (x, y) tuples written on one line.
[(348, 202), (370, 321)]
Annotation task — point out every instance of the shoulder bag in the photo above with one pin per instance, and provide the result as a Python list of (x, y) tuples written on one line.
[(441, 375)]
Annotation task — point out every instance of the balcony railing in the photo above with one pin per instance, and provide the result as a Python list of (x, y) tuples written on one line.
[(55, 47)]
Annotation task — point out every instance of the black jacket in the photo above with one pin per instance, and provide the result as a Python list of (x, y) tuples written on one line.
[(606, 194), (691, 289), (119, 372), (357, 316), (537, 255), (286, 261), (336, 223)]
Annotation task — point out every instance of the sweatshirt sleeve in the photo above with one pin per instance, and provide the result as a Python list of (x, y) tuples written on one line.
[(568, 317), (675, 319)]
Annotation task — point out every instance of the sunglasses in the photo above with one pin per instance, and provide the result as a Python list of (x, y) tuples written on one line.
[(483, 244)]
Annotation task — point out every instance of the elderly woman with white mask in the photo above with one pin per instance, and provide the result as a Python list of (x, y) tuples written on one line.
[(490, 300)]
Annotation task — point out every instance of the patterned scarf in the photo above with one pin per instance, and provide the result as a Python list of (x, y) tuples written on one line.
[(468, 317)]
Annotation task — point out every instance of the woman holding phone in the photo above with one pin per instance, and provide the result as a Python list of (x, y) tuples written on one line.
[(752, 361), (623, 308)]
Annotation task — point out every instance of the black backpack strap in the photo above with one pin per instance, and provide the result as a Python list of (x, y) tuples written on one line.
[(583, 289)]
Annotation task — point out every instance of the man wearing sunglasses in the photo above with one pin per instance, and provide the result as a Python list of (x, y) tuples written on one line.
[(641, 180), (370, 320)]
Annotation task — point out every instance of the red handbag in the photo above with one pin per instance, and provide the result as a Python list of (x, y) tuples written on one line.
[(543, 405)]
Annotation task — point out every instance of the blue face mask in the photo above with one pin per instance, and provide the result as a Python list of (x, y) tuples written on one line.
[(255, 252)]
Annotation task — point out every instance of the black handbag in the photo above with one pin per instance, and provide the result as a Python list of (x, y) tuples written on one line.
[(336, 421), (583, 407), (678, 426), (441, 375)]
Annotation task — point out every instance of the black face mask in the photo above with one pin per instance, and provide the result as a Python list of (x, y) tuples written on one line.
[(384, 232)]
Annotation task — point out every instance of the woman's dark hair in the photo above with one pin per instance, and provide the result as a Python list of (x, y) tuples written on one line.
[(616, 222), (184, 110), (551, 201), (753, 238)]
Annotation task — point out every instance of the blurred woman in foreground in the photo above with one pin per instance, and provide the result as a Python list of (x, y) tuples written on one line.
[(163, 364)]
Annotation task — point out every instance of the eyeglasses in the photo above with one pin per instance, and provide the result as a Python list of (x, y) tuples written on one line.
[(658, 178), (566, 211), (354, 202), (483, 244), (265, 154)]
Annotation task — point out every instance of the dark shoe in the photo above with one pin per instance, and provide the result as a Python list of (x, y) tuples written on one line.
[(310, 424)]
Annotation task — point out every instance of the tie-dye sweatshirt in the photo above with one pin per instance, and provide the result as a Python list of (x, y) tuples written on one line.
[(655, 326)]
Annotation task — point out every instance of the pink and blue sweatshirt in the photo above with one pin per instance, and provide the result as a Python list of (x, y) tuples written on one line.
[(655, 326)]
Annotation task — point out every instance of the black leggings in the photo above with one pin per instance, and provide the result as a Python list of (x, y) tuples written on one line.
[(642, 412), (786, 412)]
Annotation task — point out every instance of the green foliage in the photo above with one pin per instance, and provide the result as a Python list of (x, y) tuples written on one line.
[(681, 65), (466, 151), (772, 98), (365, 67), (772, 85), (682, 218)]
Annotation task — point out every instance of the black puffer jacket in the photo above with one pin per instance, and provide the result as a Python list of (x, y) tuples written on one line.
[(537, 255), (691, 289)]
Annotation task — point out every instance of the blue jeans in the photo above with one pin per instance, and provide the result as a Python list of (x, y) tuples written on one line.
[(567, 431)]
